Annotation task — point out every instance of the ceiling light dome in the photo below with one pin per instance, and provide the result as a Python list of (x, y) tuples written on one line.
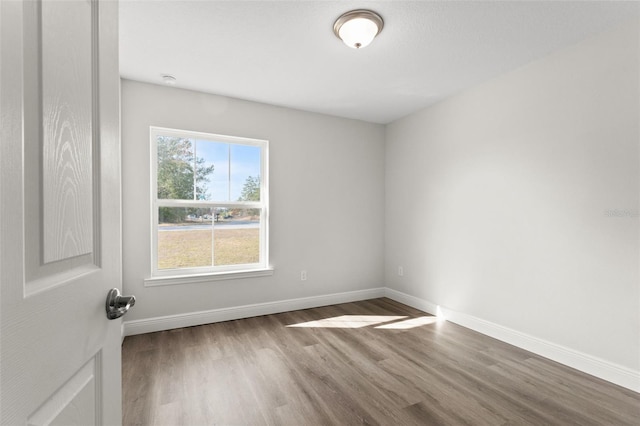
[(358, 28)]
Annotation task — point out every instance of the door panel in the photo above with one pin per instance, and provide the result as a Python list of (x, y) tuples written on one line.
[(67, 72), (59, 212), (74, 403), (62, 232)]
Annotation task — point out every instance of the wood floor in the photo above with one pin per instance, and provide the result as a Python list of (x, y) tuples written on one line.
[(376, 362)]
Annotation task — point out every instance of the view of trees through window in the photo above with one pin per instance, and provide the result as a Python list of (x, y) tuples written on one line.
[(209, 203)]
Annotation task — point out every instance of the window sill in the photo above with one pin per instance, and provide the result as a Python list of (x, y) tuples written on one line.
[(200, 278)]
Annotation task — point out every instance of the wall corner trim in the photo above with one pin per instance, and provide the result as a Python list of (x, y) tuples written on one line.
[(611, 372)]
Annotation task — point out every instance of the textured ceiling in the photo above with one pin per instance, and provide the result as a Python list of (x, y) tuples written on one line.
[(285, 53)]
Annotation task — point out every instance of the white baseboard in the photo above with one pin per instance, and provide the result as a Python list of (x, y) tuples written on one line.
[(414, 302), (594, 366), (190, 319)]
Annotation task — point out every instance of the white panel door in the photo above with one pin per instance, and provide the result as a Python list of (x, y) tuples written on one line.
[(60, 242)]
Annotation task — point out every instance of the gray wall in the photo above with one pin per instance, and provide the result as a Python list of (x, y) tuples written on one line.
[(326, 194), (497, 200)]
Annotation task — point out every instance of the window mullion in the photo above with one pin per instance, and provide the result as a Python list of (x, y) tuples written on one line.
[(213, 236), (211, 204), (195, 172)]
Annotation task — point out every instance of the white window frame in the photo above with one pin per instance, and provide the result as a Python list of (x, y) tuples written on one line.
[(182, 275)]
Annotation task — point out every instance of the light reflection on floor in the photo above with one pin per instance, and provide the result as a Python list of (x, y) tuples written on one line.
[(359, 321), (410, 323)]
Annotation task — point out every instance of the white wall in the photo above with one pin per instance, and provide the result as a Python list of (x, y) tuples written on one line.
[(326, 193), (496, 200)]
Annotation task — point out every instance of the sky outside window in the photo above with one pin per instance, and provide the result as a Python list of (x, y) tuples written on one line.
[(233, 164), (245, 162)]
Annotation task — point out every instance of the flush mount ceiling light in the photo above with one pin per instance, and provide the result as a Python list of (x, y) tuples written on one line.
[(358, 28)]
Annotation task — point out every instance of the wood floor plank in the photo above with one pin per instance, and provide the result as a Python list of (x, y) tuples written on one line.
[(375, 362)]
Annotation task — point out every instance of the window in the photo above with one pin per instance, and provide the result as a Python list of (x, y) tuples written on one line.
[(209, 203)]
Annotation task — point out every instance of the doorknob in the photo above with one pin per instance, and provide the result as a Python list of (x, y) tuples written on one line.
[(118, 305)]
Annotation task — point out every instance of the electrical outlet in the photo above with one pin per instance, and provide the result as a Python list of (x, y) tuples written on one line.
[(400, 271), (303, 275)]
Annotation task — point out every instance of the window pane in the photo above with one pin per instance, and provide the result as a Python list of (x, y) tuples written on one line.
[(184, 237), (212, 170), (222, 174), (175, 168), (245, 173), (237, 237)]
